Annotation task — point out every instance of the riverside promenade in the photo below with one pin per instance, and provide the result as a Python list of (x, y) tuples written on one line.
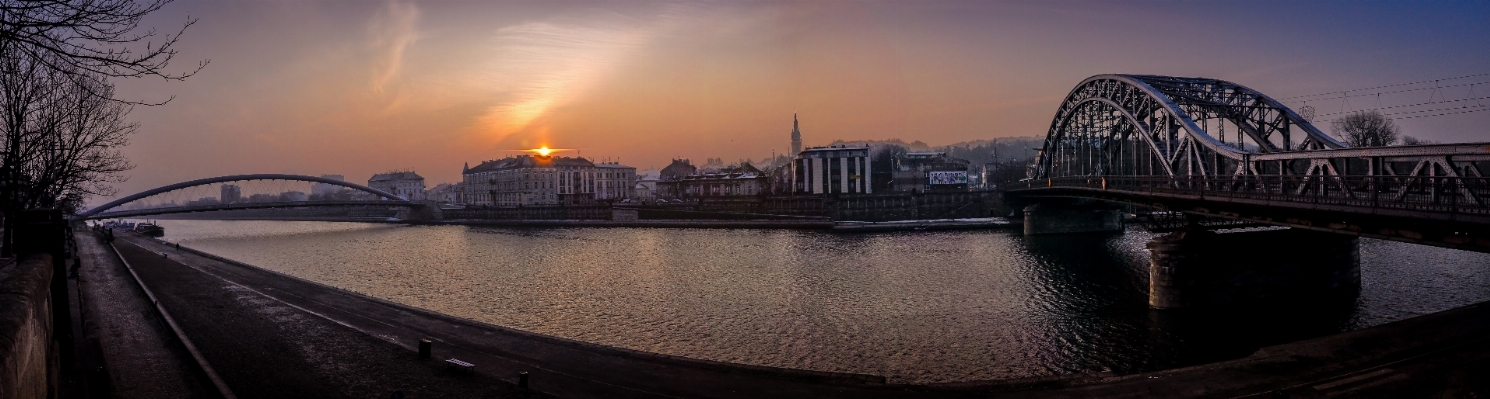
[(270, 335)]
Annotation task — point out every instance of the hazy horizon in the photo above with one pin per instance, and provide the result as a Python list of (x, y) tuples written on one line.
[(362, 87)]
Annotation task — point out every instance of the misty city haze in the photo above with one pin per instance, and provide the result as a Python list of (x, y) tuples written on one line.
[(358, 88)]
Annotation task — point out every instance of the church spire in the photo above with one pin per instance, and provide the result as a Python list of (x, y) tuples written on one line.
[(796, 135)]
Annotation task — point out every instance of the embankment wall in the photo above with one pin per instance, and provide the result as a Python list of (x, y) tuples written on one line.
[(28, 358)]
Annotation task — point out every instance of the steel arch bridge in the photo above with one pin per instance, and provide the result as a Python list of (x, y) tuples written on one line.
[(1162, 142), (103, 211), (1159, 125)]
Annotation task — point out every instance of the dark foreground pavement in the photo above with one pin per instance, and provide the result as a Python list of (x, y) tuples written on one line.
[(265, 348), (140, 354), (270, 335)]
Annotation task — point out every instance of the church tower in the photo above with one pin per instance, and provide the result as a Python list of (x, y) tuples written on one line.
[(796, 136)]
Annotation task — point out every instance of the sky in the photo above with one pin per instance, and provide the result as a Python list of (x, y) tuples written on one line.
[(361, 87)]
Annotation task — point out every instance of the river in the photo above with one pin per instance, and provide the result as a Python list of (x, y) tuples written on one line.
[(915, 307)]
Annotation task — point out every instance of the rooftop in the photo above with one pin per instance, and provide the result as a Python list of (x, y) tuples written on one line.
[(837, 147), (396, 176), (528, 161)]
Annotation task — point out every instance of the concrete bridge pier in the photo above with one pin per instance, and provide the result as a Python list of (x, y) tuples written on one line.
[(421, 213), (1077, 216), (1199, 268)]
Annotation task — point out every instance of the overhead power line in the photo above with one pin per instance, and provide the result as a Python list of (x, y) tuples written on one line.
[(1337, 92), (1446, 113), (1476, 99), (1344, 94), (1427, 112)]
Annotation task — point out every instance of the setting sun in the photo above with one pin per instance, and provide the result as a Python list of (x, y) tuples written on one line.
[(544, 151)]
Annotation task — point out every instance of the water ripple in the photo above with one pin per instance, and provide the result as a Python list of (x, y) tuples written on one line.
[(914, 307)]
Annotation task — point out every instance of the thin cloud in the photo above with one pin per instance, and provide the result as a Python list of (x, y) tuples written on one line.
[(538, 66), (394, 29)]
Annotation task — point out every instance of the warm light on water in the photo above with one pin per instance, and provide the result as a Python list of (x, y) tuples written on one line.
[(915, 307)]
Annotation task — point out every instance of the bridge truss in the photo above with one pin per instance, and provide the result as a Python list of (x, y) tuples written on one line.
[(1163, 142), (280, 185)]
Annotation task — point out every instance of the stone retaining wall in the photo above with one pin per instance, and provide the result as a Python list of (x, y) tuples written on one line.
[(28, 359)]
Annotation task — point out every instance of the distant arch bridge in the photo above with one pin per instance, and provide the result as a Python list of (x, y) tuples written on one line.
[(106, 211), (1162, 142)]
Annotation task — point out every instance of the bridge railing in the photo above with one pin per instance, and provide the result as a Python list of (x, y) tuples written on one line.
[(1416, 193)]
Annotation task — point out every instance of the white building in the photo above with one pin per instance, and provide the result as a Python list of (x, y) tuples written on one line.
[(406, 185), (445, 192), (529, 180), (831, 170), (614, 181), (645, 189)]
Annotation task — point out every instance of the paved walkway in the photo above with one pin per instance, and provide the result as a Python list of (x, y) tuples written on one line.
[(273, 336), (139, 352), (266, 348), (236, 310)]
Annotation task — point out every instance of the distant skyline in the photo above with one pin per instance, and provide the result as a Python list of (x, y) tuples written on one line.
[(362, 87)]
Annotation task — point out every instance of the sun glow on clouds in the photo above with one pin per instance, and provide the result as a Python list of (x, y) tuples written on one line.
[(538, 66)]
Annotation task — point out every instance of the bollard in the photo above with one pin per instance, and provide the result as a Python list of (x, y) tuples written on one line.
[(522, 379), (424, 345), (178, 245)]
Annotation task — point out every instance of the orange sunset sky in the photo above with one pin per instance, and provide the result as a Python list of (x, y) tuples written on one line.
[(361, 87)]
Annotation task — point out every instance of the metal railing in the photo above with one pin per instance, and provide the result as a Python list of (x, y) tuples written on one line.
[(1414, 193)]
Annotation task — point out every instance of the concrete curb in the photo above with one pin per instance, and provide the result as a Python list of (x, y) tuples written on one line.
[(217, 382)]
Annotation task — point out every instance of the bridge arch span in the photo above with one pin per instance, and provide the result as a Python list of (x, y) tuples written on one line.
[(1160, 125), (392, 198)]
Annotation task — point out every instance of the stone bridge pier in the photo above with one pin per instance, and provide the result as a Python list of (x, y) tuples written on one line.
[(1071, 216), (1200, 268)]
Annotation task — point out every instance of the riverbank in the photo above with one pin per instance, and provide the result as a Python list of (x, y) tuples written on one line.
[(801, 224), (1414, 357), (263, 347)]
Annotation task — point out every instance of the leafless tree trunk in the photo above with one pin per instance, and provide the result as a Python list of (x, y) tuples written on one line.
[(78, 151), (63, 125), (1367, 129)]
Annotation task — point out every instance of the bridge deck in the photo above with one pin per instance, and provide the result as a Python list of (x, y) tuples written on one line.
[(1447, 212)]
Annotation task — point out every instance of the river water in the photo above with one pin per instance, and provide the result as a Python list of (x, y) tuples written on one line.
[(915, 307)]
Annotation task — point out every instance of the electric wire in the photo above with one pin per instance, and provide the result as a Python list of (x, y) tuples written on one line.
[(1452, 111), (1476, 99), (1446, 113), (1385, 86)]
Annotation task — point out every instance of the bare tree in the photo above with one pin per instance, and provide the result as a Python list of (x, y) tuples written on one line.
[(1409, 140), (63, 125), (63, 135), (100, 37), (79, 155), (1367, 129)]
